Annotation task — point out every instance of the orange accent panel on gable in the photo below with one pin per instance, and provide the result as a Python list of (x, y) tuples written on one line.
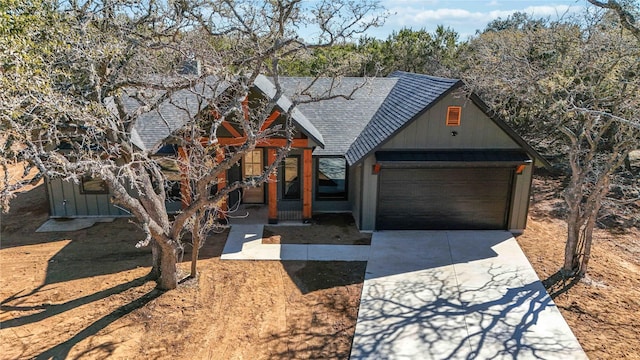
[(454, 113)]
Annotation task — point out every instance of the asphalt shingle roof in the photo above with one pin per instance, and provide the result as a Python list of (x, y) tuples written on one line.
[(352, 125), (411, 95), (153, 127), (340, 120)]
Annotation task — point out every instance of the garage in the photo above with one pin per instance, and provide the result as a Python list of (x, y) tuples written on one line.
[(444, 198)]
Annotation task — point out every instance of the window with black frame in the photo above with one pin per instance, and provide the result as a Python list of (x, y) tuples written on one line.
[(92, 185), (171, 170), (331, 175)]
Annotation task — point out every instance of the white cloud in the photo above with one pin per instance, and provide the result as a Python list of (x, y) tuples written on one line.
[(415, 14)]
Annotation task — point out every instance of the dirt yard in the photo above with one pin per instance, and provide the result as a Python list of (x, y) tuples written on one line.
[(334, 229), (84, 294), (603, 309)]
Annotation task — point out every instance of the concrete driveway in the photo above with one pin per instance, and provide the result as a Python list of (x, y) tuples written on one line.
[(456, 295)]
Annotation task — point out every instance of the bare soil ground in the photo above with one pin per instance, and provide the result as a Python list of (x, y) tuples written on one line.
[(603, 310), (84, 294), (334, 229)]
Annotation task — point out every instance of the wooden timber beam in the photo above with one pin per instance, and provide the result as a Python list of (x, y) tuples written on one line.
[(185, 185), (222, 181), (270, 120), (270, 142), (231, 129)]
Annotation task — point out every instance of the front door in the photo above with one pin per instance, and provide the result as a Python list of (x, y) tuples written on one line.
[(253, 167)]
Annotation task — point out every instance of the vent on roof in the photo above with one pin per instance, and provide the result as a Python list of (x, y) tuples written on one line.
[(453, 115)]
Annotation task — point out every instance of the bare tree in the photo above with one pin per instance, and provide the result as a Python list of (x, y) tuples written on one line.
[(573, 84), (625, 11), (75, 91)]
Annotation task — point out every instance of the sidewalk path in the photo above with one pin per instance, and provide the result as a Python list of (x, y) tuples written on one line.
[(245, 243)]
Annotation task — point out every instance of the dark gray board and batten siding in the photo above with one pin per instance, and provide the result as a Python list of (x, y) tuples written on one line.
[(66, 201)]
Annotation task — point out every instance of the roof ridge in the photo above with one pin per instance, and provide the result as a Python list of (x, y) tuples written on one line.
[(432, 77)]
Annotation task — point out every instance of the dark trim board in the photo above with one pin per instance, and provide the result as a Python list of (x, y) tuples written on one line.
[(456, 198)]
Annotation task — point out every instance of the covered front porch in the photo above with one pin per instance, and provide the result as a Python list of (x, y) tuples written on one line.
[(286, 196)]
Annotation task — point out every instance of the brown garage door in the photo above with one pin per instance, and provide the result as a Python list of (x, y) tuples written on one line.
[(443, 198)]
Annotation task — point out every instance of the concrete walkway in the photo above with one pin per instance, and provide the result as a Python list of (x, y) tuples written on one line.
[(456, 295), (75, 224), (245, 243)]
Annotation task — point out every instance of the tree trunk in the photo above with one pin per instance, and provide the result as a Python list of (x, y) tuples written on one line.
[(156, 252), (194, 256), (588, 239), (168, 278), (573, 237), (195, 241)]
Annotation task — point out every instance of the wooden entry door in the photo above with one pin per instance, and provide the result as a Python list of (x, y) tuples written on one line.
[(253, 165)]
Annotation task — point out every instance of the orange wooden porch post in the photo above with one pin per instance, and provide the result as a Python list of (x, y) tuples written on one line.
[(222, 181), (306, 192), (273, 189), (185, 185)]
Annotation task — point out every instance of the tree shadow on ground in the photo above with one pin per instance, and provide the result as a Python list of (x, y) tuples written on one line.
[(29, 210), (558, 283), (319, 337), (73, 262), (104, 248), (310, 276), (454, 321), (434, 317), (49, 310), (62, 350), (430, 306)]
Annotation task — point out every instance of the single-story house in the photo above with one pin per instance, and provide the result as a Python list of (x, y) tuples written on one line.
[(408, 151)]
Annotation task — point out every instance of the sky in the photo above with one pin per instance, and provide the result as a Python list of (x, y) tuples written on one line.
[(465, 16)]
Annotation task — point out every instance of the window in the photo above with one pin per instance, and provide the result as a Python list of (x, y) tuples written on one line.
[(253, 163), (331, 179), (171, 170), (291, 183), (91, 185), (453, 115)]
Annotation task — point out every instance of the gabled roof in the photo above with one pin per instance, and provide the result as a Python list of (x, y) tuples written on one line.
[(412, 95), (299, 119), (339, 119), (354, 127), (153, 127)]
